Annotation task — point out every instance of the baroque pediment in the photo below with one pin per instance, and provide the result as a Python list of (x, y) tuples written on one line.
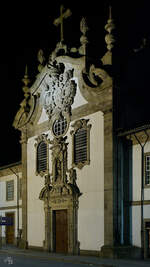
[(56, 87)]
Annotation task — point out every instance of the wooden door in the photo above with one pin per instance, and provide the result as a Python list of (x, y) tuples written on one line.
[(10, 231), (61, 231)]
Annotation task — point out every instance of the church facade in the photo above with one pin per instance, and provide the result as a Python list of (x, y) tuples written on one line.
[(76, 170)]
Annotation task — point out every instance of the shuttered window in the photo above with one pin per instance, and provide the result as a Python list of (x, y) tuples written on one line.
[(42, 157), (80, 146), (81, 143), (10, 190), (147, 169)]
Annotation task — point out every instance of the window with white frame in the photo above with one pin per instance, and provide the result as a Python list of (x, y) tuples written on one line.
[(10, 190), (20, 188), (147, 169)]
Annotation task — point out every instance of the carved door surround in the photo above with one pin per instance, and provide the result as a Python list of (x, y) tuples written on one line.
[(60, 193)]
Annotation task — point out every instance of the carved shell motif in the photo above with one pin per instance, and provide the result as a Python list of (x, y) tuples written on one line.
[(60, 91)]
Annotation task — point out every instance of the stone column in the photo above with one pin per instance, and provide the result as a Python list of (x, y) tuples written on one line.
[(23, 241)]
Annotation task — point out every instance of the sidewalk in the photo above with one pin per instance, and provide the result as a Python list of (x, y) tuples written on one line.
[(87, 260)]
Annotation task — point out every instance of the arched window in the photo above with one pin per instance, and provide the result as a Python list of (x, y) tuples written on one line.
[(80, 146), (81, 143), (42, 157)]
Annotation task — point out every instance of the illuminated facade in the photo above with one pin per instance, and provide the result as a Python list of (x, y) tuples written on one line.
[(78, 193)]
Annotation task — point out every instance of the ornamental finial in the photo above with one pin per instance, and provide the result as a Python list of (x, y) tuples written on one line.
[(110, 26), (25, 105), (110, 12), (41, 60), (84, 40), (26, 81)]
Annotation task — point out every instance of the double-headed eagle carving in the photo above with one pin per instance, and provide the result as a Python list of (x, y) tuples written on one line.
[(60, 90)]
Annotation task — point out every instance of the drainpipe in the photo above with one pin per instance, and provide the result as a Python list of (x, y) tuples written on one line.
[(142, 190), (17, 205)]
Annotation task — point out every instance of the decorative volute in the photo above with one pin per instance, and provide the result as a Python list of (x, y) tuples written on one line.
[(97, 81)]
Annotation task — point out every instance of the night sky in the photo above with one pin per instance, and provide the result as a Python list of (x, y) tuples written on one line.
[(25, 30)]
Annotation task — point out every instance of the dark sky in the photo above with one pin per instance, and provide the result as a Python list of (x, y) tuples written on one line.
[(24, 30)]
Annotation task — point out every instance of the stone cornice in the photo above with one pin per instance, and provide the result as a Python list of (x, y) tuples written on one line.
[(138, 203), (10, 207), (77, 113), (6, 170)]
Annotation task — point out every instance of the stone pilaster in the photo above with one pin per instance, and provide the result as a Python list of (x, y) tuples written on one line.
[(109, 238), (23, 241), (108, 179), (47, 242), (73, 227)]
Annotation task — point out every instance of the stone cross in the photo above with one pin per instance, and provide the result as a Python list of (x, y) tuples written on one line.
[(59, 20)]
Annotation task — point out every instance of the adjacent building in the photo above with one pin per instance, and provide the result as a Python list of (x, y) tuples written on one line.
[(11, 203)]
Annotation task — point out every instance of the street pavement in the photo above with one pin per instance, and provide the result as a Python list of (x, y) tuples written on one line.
[(23, 258)]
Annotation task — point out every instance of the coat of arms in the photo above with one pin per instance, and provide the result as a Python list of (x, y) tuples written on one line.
[(60, 90)]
